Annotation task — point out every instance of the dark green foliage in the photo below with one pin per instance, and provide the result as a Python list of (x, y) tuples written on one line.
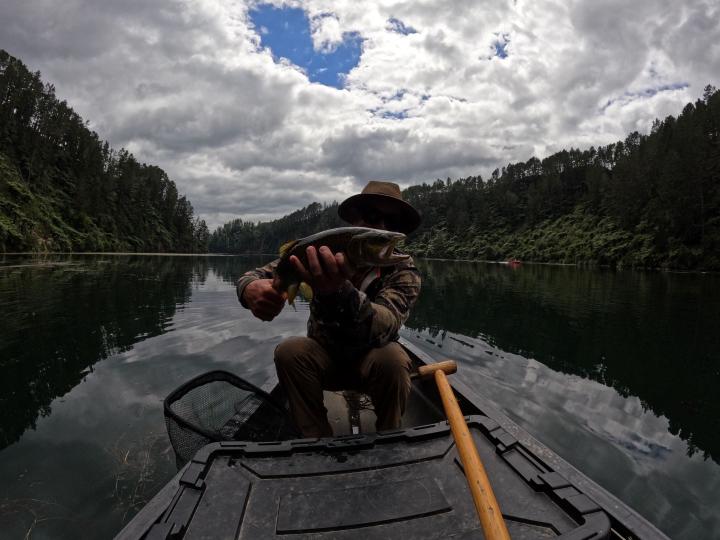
[(63, 189), (650, 201), (240, 236)]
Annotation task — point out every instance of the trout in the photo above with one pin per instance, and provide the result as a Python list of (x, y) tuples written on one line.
[(363, 248)]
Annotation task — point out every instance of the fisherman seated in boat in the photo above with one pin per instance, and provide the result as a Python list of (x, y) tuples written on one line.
[(355, 315)]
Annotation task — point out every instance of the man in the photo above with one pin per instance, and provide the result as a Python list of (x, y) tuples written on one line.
[(354, 319)]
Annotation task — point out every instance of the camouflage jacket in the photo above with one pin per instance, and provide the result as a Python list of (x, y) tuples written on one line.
[(364, 313)]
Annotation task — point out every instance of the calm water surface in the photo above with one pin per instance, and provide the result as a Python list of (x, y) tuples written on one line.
[(615, 371)]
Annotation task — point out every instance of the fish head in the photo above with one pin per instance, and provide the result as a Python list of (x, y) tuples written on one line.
[(375, 247)]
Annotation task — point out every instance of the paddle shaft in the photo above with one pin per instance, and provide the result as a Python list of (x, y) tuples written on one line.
[(485, 503)]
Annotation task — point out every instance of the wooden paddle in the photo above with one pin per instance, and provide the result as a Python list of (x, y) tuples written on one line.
[(485, 502)]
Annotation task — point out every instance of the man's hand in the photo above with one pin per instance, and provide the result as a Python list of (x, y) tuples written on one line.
[(326, 271), (263, 300)]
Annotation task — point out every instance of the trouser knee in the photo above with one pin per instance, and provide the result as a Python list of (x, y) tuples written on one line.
[(390, 364), (300, 354), (289, 354)]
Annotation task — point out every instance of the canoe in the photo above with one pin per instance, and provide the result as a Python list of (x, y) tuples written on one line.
[(402, 483)]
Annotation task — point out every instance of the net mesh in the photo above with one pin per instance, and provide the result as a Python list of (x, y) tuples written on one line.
[(219, 406)]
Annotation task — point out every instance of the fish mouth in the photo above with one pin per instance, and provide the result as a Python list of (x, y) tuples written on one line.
[(376, 248), (387, 255)]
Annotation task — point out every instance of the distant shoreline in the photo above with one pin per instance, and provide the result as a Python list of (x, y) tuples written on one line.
[(41, 253), (576, 265), (484, 261)]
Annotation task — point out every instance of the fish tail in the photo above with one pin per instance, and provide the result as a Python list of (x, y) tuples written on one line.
[(287, 246)]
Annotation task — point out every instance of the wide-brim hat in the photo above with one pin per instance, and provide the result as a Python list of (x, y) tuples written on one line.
[(385, 197)]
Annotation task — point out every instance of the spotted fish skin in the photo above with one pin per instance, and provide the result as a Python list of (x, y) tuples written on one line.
[(362, 246)]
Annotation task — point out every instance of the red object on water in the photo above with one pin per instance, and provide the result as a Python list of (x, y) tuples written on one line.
[(514, 262)]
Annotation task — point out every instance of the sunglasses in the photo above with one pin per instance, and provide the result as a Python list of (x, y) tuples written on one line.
[(374, 217)]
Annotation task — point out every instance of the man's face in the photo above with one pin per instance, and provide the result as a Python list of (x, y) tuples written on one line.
[(376, 223), (377, 216)]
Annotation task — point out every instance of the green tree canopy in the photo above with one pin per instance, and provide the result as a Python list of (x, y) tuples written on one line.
[(62, 188)]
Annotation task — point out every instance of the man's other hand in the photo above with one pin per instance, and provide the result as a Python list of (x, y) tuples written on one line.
[(263, 300)]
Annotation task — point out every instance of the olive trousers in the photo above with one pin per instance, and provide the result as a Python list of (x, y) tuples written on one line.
[(305, 368)]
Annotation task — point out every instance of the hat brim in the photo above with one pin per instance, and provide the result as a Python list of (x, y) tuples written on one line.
[(408, 217)]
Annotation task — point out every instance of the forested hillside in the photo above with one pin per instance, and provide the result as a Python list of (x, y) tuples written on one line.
[(62, 188), (240, 236), (648, 201)]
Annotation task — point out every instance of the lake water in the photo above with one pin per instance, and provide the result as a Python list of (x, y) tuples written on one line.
[(616, 371)]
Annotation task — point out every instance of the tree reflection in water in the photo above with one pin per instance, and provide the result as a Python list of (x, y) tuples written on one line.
[(58, 321), (97, 449), (648, 334)]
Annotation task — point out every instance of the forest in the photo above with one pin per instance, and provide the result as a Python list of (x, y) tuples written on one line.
[(650, 201), (64, 189)]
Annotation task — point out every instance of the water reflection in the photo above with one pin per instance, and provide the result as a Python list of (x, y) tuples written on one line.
[(89, 351), (613, 439), (604, 367), (59, 320), (650, 335)]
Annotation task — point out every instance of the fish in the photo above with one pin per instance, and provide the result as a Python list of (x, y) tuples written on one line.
[(363, 248)]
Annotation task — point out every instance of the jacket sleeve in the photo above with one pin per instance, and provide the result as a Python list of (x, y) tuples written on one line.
[(264, 272), (350, 316)]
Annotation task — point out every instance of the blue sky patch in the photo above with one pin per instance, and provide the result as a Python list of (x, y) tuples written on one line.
[(383, 112), (396, 25), (286, 32), (389, 115), (394, 115), (499, 46), (627, 97)]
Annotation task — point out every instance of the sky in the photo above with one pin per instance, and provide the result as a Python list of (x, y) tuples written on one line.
[(257, 109)]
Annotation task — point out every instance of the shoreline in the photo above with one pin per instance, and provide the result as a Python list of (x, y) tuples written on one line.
[(484, 261), (578, 266), (145, 253)]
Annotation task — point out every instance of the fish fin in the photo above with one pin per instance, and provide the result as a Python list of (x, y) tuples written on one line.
[(287, 246), (306, 291), (292, 293)]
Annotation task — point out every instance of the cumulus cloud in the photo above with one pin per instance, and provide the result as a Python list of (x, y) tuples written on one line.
[(442, 88), (326, 32)]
